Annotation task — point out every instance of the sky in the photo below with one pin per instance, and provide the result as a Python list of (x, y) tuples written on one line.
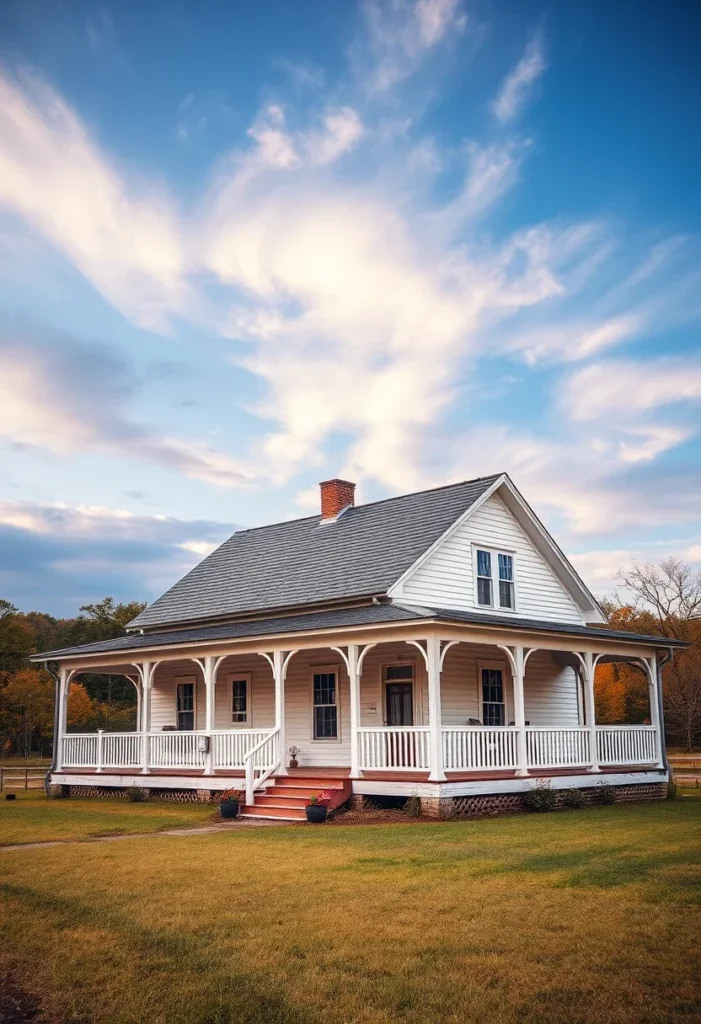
[(247, 247)]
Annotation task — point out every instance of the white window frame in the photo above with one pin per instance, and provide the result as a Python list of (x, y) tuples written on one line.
[(505, 677), (494, 556), (179, 680), (237, 677), (317, 670)]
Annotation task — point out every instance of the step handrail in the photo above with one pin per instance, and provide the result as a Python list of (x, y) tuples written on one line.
[(253, 783)]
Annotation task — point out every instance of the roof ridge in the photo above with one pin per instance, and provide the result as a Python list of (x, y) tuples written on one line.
[(377, 501)]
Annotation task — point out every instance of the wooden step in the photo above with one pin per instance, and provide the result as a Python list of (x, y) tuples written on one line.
[(273, 811), (322, 781), (296, 792), (275, 800)]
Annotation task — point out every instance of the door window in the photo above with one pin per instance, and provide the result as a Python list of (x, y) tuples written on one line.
[(493, 707), (399, 695), (325, 706)]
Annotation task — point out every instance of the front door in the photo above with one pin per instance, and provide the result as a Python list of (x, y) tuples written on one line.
[(186, 706), (400, 703)]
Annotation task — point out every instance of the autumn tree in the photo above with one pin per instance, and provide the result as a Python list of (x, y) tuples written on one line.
[(26, 710), (80, 707), (668, 604)]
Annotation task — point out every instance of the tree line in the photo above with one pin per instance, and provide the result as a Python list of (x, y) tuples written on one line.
[(665, 601), (27, 691)]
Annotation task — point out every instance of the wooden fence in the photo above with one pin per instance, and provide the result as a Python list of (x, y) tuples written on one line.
[(22, 778)]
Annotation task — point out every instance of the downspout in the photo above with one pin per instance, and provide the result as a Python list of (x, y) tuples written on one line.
[(57, 695), (661, 662)]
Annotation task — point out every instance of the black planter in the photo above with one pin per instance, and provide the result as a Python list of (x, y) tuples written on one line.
[(316, 813), (229, 808)]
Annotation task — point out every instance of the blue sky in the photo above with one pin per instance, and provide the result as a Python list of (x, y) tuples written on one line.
[(246, 247)]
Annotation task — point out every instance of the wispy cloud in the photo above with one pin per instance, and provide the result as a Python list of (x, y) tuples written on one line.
[(65, 396), (517, 86)]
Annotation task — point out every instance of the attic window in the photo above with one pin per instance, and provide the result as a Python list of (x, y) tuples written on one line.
[(494, 573)]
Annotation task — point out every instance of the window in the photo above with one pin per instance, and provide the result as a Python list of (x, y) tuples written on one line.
[(399, 695), (325, 708), (484, 578), (185, 702), (493, 708), (239, 700), (506, 581), (494, 571)]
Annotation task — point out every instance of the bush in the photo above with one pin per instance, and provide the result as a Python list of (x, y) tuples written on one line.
[(672, 790), (412, 807), (541, 798), (574, 798), (605, 794), (136, 794)]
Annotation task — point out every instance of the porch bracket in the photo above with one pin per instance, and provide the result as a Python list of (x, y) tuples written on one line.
[(589, 662), (518, 656)]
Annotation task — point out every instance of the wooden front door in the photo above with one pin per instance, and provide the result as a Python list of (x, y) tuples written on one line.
[(399, 703)]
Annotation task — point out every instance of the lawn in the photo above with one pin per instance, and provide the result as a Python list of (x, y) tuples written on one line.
[(584, 917), (32, 817)]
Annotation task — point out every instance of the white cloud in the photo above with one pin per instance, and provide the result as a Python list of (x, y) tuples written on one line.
[(518, 84), (400, 35)]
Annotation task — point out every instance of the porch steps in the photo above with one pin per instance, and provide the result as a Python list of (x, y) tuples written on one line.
[(287, 798)]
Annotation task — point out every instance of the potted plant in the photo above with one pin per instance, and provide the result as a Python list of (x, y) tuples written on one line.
[(318, 807), (293, 751), (229, 803)]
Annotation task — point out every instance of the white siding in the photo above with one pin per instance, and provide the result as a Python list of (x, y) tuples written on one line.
[(298, 710), (446, 580)]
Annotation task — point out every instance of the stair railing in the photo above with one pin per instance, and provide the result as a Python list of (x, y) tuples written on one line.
[(263, 758)]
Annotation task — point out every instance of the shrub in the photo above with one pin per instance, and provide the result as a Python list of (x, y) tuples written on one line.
[(606, 794), (672, 790), (574, 798), (136, 794), (412, 807), (541, 798)]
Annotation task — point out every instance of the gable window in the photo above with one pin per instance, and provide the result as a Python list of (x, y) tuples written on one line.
[(494, 571), (484, 578), (325, 706), (493, 707), (239, 700)]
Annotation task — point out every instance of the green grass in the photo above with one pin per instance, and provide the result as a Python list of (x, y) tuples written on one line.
[(33, 818), (584, 917)]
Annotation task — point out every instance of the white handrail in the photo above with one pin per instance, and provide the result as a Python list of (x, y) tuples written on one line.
[(270, 763)]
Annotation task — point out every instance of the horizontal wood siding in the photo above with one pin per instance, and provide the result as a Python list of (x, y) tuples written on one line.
[(261, 692), (298, 710), (445, 579), (163, 694), (372, 691)]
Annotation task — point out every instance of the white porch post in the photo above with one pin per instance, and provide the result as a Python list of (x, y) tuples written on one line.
[(519, 671), (653, 693), (100, 751), (354, 669), (589, 667), (433, 670), (146, 679), (279, 672), (63, 691), (209, 671)]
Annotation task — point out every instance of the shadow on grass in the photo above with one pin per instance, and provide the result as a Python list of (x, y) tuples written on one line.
[(231, 997)]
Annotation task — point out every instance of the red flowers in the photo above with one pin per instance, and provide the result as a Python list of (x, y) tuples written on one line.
[(322, 800)]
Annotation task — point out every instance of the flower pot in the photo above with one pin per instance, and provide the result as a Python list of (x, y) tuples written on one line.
[(229, 808), (294, 763), (316, 813)]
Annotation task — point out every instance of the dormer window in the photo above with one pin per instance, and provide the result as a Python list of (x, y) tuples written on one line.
[(494, 571)]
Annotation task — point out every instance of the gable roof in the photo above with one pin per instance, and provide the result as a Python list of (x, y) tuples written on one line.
[(300, 563)]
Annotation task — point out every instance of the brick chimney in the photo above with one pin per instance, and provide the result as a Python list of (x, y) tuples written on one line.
[(336, 495)]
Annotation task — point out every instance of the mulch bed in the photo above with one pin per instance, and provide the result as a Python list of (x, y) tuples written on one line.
[(379, 817)]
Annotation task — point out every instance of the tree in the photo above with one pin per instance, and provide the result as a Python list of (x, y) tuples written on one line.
[(81, 710), (669, 605), (26, 709)]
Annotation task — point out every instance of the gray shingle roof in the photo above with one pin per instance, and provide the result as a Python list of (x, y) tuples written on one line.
[(300, 562), (338, 618)]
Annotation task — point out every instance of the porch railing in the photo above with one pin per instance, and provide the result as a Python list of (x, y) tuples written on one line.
[(557, 748), (402, 748), (230, 749), (472, 748), (121, 749), (79, 750), (176, 750), (261, 761), (626, 744)]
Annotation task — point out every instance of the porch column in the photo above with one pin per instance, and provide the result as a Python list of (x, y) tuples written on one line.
[(654, 697), (354, 669), (63, 691), (433, 670), (588, 669), (279, 672), (519, 671), (209, 666), (145, 672)]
